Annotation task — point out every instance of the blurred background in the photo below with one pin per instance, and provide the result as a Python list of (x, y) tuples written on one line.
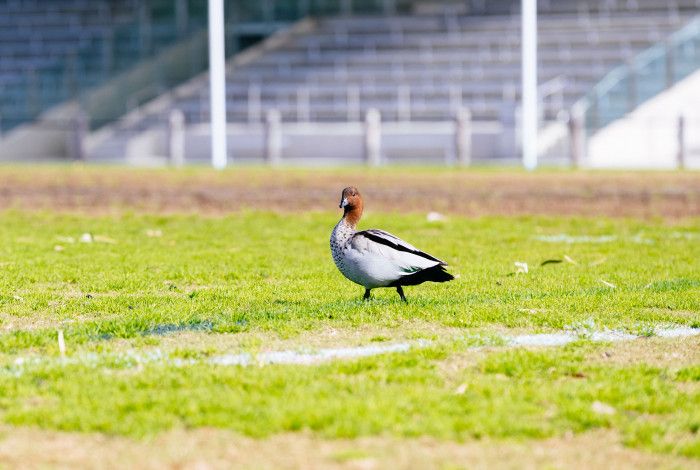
[(325, 82)]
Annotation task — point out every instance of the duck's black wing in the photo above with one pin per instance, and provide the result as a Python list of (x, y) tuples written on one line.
[(392, 241)]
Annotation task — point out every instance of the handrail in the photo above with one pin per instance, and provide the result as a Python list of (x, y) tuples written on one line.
[(650, 72), (552, 86), (553, 89)]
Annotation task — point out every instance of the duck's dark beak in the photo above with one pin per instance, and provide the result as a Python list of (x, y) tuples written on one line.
[(343, 203)]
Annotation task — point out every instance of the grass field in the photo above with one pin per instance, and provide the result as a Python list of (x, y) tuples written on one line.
[(145, 300)]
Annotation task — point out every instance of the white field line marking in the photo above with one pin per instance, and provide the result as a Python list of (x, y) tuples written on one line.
[(310, 357), (566, 238), (571, 239), (686, 235), (315, 356), (677, 332)]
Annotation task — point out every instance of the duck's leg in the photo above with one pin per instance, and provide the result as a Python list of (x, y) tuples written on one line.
[(399, 289), (366, 296)]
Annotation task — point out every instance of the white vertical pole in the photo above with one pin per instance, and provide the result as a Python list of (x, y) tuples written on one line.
[(217, 83), (529, 83)]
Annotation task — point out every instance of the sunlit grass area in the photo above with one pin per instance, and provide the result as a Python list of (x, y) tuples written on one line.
[(513, 394), (190, 287), (121, 276)]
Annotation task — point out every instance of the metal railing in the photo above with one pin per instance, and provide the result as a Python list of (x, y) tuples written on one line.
[(459, 141), (551, 96), (646, 75)]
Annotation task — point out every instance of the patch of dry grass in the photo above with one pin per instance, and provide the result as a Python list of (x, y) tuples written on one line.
[(669, 195), (213, 449), (671, 353)]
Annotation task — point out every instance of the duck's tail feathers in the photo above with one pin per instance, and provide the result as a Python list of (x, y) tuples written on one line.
[(435, 273)]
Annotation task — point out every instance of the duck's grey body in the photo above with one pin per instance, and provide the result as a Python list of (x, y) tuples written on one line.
[(374, 258)]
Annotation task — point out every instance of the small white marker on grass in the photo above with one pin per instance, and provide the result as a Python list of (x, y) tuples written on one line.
[(434, 217), (61, 344), (520, 267), (601, 408), (569, 259), (154, 233), (608, 284)]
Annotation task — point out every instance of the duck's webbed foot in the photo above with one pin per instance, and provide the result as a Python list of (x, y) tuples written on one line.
[(366, 296), (399, 289)]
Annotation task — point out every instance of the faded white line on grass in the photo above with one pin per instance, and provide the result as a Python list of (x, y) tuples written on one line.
[(677, 332), (572, 239), (561, 339), (316, 356), (312, 357), (566, 238)]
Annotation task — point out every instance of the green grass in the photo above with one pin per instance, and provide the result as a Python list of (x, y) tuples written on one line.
[(520, 393), (272, 275)]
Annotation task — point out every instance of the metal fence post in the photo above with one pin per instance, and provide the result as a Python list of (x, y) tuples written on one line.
[(681, 143), (575, 140), (176, 138), (373, 137), (273, 137), (463, 137)]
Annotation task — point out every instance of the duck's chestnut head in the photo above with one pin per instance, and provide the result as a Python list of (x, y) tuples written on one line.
[(351, 203), (350, 199)]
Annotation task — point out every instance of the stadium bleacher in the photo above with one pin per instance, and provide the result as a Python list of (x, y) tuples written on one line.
[(475, 63), (54, 51), (423, 67), (413, 61)]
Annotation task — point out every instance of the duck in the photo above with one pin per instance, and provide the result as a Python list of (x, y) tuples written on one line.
[(374, 258)]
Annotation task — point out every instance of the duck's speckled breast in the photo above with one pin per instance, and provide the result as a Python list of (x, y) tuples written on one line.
[(340, 238), (342, 233)]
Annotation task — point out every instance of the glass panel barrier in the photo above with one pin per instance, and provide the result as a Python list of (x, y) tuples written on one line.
[(648, 74)]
